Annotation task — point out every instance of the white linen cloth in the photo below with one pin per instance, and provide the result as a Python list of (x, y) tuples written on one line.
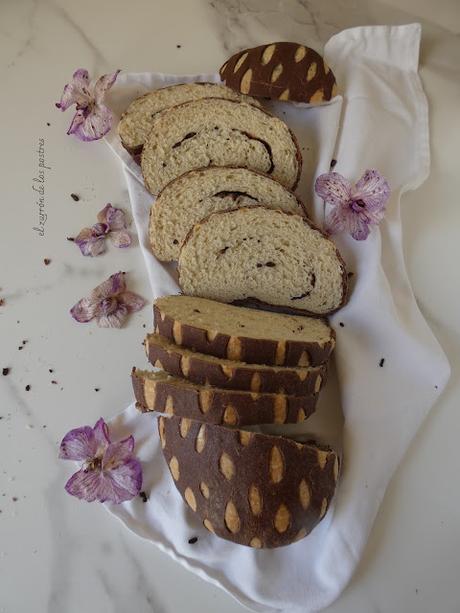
[(382, 122)]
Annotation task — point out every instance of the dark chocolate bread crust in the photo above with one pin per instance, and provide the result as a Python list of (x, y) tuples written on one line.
[(241, 348), (249, 488), (219, 406), (280, 71), (207, 370)]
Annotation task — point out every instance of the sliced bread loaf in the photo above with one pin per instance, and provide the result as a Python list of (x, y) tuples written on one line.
[(218, 132), (229, 374), (263, 257), (247, 335), (136, 122), (158, 391), (196, 194), (249, 488)]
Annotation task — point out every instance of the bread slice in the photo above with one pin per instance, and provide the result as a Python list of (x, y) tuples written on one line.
[(209, 370), (247, 335), (136, 122), (281, 71), (218, 132), (196, 194), (263, 257), (158, 391), (249, 488)]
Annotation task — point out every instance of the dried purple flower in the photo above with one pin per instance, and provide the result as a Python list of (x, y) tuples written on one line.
[(111, 222), (110, 472), (93, 118), (355, 207), (110, 303)]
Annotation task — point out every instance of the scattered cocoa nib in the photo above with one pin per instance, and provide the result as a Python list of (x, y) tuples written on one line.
[(5, 371), (96, 389), (14, 499), (75, 197), (21, 347), (178, 46), (382, 362), (48, 123), (333, 163), (54, 382), (193, 540), (28, 388), (46, 261), (143, 496), (24, 342), (341, 324), (70, 238), (50, 370)]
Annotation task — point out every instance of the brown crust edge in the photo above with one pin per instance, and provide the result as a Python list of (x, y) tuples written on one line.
[(252, 350), (258, 304), (219, 406), (249, 377)]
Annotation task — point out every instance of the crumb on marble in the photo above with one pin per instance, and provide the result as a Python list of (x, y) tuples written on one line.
[(2, 301), (46, 261), (193, 540), (54, 382), (143, 496), (5, 371), (382, 362), (28, 388), (75, 197), (178, 46), (97, 389), (70, 238), (48, 123), (333, 163), (341, 324), (50, 370), (14, 498)]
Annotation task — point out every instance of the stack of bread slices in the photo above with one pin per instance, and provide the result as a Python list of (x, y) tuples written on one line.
[(245, 344), (224, 368)]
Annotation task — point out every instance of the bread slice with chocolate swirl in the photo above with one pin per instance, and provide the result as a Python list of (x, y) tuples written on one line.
[(136, 122), (198, 193), (218, 132)]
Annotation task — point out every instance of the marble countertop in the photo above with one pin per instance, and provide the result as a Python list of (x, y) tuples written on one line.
[(59, 555)]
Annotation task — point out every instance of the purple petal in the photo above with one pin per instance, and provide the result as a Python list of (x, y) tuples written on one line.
[(112, 286), (84, 310), (121, 238), (133, 301), (76, 92), (101, 434), (116, 485), (103, 84), (89, 243), (85, 484), (92, 124), (344, 219), (122, 483), (373, 190), (333, 188), (113, 217), (117, 453), (79, 444), (116, 319)]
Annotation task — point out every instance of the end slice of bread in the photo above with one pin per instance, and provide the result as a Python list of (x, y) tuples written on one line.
[(136, 122), (218, 132), (198, 193), (247, 335), (249, 488), (263, 257)]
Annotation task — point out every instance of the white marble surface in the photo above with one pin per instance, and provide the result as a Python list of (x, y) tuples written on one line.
[(58, 555)]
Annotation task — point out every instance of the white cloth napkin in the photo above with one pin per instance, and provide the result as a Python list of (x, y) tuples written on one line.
[(381, 123)]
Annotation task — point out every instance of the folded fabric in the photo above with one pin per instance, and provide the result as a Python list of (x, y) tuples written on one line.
[(390, 367)]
